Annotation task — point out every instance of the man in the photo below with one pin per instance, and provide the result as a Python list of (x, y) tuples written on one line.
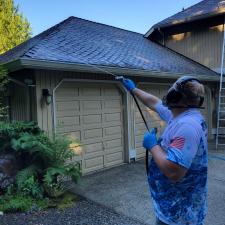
[(178, 169)]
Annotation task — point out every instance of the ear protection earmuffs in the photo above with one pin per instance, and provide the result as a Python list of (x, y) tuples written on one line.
[(178, 92)]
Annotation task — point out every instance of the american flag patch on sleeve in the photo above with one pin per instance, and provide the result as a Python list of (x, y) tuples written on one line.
[(177, 142)]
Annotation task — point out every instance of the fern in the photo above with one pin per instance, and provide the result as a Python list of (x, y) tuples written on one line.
[(24, 174), (52, 174)]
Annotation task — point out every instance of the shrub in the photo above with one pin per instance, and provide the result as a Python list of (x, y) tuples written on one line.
[(45, 161), (17, 203)]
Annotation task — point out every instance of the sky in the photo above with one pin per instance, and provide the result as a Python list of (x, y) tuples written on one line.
[(134, 15)]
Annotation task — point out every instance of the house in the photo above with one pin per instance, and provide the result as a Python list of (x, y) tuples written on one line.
[(197, 33), (75, 63)]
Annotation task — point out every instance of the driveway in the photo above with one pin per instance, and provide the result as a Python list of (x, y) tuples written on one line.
[(124, 190)]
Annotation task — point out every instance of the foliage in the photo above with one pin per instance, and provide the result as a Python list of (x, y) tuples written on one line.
[(12, 131), (16, 203), (3, 77), (14, 27), (45, 161), (64, 201), (27, 183), (3, 90)]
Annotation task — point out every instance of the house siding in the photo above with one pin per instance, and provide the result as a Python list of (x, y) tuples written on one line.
[(19, 103), (50, 79), (203, 45)]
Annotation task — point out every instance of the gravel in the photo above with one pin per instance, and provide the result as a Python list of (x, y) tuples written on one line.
[(83, 212)]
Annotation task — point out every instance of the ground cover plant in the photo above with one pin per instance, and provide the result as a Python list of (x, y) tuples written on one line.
[(41, 164)]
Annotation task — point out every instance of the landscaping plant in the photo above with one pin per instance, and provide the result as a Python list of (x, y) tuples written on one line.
[(44, 162)]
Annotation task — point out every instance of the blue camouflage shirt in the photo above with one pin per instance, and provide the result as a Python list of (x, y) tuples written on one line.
[(185, 142)]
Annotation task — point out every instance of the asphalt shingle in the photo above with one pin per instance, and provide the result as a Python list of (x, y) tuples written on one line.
[(78, 41), (194, 12)]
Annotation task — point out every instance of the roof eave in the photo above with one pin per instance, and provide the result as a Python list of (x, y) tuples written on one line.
[(65, 66), (188, 20)]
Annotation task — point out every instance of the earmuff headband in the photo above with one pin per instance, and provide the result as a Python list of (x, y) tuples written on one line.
[(176, 93)]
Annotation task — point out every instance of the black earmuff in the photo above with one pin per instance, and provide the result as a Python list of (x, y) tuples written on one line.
[(177, 92)]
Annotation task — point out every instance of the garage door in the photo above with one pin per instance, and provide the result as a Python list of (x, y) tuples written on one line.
[(152, 118), (93, 114)]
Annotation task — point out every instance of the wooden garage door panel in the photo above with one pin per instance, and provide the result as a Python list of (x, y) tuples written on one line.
[(109, 92), (68, 105), (92, 119), (95, 147), (94, 163), (113, 131), (113, 143), (91, 155), (112, 104), (67, 129), (114, 159), (91, 105), (65, 92), (90, 91), (93, 114), (93, 133), (111, 117), (75, 135)]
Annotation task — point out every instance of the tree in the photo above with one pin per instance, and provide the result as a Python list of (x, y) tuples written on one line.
[(14, 27)]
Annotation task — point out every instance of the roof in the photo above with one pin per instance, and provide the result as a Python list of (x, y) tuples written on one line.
[(78, 41), (201, 10)]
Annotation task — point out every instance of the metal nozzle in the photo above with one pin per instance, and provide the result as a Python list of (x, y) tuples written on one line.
[(119, 78)]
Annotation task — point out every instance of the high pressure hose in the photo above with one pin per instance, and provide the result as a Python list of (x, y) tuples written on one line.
[(121, 78)]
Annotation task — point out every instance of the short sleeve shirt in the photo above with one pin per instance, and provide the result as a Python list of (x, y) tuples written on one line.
[(185, 142)]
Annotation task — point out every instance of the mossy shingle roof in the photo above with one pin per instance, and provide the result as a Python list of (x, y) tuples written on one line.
[(78, 41)]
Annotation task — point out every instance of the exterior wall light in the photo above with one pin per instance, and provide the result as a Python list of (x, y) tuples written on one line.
[(47, 96)]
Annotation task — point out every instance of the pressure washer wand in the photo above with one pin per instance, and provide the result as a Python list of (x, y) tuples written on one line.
[(121, 78)]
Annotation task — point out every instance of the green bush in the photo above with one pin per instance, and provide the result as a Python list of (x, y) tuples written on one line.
[(11, 131), (45, 161), (19, 203)]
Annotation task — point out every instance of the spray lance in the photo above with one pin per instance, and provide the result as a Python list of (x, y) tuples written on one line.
[(121, 78)]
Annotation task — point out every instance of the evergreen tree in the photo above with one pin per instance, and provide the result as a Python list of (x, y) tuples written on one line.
[(14, 27)]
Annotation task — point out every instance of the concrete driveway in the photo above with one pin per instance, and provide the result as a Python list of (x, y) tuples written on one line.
[(124, 189)]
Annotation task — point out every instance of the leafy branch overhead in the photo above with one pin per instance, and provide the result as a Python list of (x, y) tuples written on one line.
[(14, 27)]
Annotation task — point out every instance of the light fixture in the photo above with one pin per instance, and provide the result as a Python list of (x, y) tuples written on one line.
[(47, 96)]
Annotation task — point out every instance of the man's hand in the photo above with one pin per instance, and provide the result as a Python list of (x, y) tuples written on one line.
[(150, 139), (129, 84)]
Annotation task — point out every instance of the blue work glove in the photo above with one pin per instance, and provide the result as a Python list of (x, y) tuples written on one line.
[(150, 139), (129, 84)]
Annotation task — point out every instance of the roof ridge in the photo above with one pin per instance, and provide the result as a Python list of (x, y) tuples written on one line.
[(180, 12), (118, 28)]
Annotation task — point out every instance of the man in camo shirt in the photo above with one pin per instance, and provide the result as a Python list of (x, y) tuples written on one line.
[(178, 169)]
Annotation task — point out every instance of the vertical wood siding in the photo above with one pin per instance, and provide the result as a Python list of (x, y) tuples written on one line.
[(203, 45), (19, 103)]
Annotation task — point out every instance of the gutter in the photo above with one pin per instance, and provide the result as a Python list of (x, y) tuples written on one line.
[(65, 66), (186, 20)]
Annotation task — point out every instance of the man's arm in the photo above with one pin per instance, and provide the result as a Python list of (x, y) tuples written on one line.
[(172, 171), (147, 99)]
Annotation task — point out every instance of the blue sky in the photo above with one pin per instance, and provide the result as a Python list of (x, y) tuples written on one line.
[(133, 15)]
